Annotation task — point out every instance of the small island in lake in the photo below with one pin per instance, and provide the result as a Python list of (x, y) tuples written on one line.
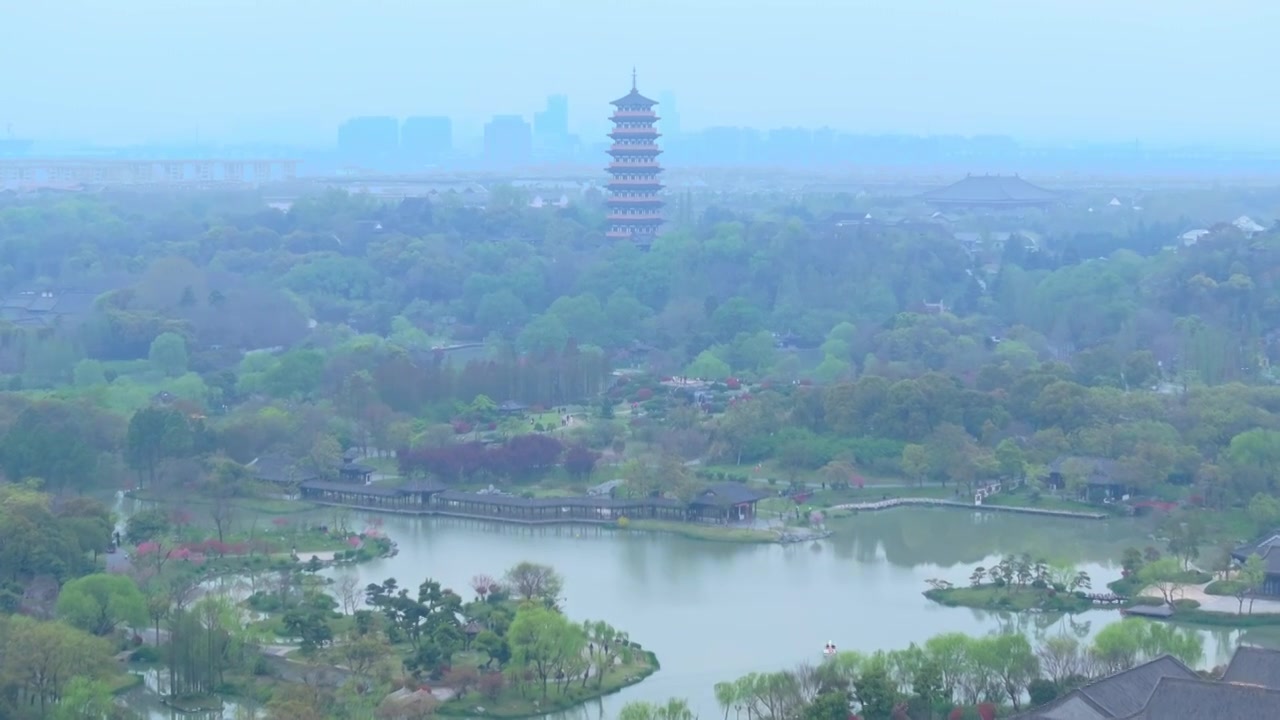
[(1019, 584), (508, 653)]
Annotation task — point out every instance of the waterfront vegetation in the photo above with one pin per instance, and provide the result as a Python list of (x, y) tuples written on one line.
[(506, 346), (845, 383), (1018, 583), (509, 650), (951, 676)]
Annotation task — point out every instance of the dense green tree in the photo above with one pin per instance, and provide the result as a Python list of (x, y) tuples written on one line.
[(544, 642), (51, 441), (673, 709), (101, 602), (156, 434), (49, 661), (168, 354)]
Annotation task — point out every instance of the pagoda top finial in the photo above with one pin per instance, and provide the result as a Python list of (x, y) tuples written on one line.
[(633, 78)]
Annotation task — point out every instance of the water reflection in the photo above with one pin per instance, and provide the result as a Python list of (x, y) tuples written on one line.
[(715, 611), (146, 702)]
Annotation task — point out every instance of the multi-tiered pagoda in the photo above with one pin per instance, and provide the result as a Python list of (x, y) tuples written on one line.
[(635, 209)]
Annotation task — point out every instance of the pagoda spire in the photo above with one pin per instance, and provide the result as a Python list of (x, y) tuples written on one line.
[(635, 200)]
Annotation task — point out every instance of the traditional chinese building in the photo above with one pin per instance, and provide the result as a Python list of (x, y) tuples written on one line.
[(634, 206), (990, 191)]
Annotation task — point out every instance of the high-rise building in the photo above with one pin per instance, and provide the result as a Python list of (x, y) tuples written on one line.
[(369, 139), (634, 206), (426, 140), (508, 141), (553, 122)]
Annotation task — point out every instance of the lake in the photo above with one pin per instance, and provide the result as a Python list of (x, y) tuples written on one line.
[(715, 611)]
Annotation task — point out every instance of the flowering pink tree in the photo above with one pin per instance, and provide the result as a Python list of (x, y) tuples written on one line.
[(483, 585), (153, 555)]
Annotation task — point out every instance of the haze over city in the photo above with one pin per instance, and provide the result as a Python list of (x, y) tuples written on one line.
[(1178, 71), (639, 360)]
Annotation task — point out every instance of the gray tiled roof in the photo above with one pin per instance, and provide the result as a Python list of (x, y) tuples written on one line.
[(1254, 666), (372, 490), (279, 469), (990, 189), (729, 493), (1183, 699), (1116, 696), (1102, 471)]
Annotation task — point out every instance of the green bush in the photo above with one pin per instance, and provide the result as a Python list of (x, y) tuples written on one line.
[(264, 602), (1223, 587), (145, 654), (1126, 586)]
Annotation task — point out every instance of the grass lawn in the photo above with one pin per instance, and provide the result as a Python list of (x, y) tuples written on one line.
[(1044, 502), (1130, 586), (124, 682), (704, 532), (1223, 587), (516, 702), (990, 597), (769, 469), (826, 498), (1228, 527)]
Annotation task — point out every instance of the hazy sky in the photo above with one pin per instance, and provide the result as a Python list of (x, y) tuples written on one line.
[(236, 70)]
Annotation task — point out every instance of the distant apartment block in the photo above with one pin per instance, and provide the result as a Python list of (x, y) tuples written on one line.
[(426, 140), (553, 122), (366, 139), (508, 140)]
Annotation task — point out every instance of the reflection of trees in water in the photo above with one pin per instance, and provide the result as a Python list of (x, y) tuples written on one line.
[(948, 537)]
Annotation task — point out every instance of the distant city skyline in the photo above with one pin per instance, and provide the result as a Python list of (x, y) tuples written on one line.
[(238, 71)]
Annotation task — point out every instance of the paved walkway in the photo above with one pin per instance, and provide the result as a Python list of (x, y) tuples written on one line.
[(1221, 603), (934, 502)]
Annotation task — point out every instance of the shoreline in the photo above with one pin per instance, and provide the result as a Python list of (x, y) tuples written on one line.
[(651, 666), (890, 503), (697, 531)]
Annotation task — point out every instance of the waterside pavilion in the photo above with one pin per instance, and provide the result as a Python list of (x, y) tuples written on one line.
[(726, 503)]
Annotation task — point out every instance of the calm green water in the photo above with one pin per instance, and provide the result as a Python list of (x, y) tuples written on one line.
[(715, 611)]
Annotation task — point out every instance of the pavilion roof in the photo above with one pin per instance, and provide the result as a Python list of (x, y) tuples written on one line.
[(1115, 696), (633, 98), (280, 470), (373, 490), (1254, 666), (990, 190), (1187, 699), (729, 493)]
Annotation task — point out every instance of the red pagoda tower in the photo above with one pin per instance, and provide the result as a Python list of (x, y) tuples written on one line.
[(634, 207)]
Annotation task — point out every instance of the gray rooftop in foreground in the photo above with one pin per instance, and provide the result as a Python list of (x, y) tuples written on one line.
[(1115, 696)]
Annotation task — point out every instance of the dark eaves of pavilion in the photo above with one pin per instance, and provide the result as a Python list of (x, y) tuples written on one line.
[(990, 191), (726, 503), (1166, 689)]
